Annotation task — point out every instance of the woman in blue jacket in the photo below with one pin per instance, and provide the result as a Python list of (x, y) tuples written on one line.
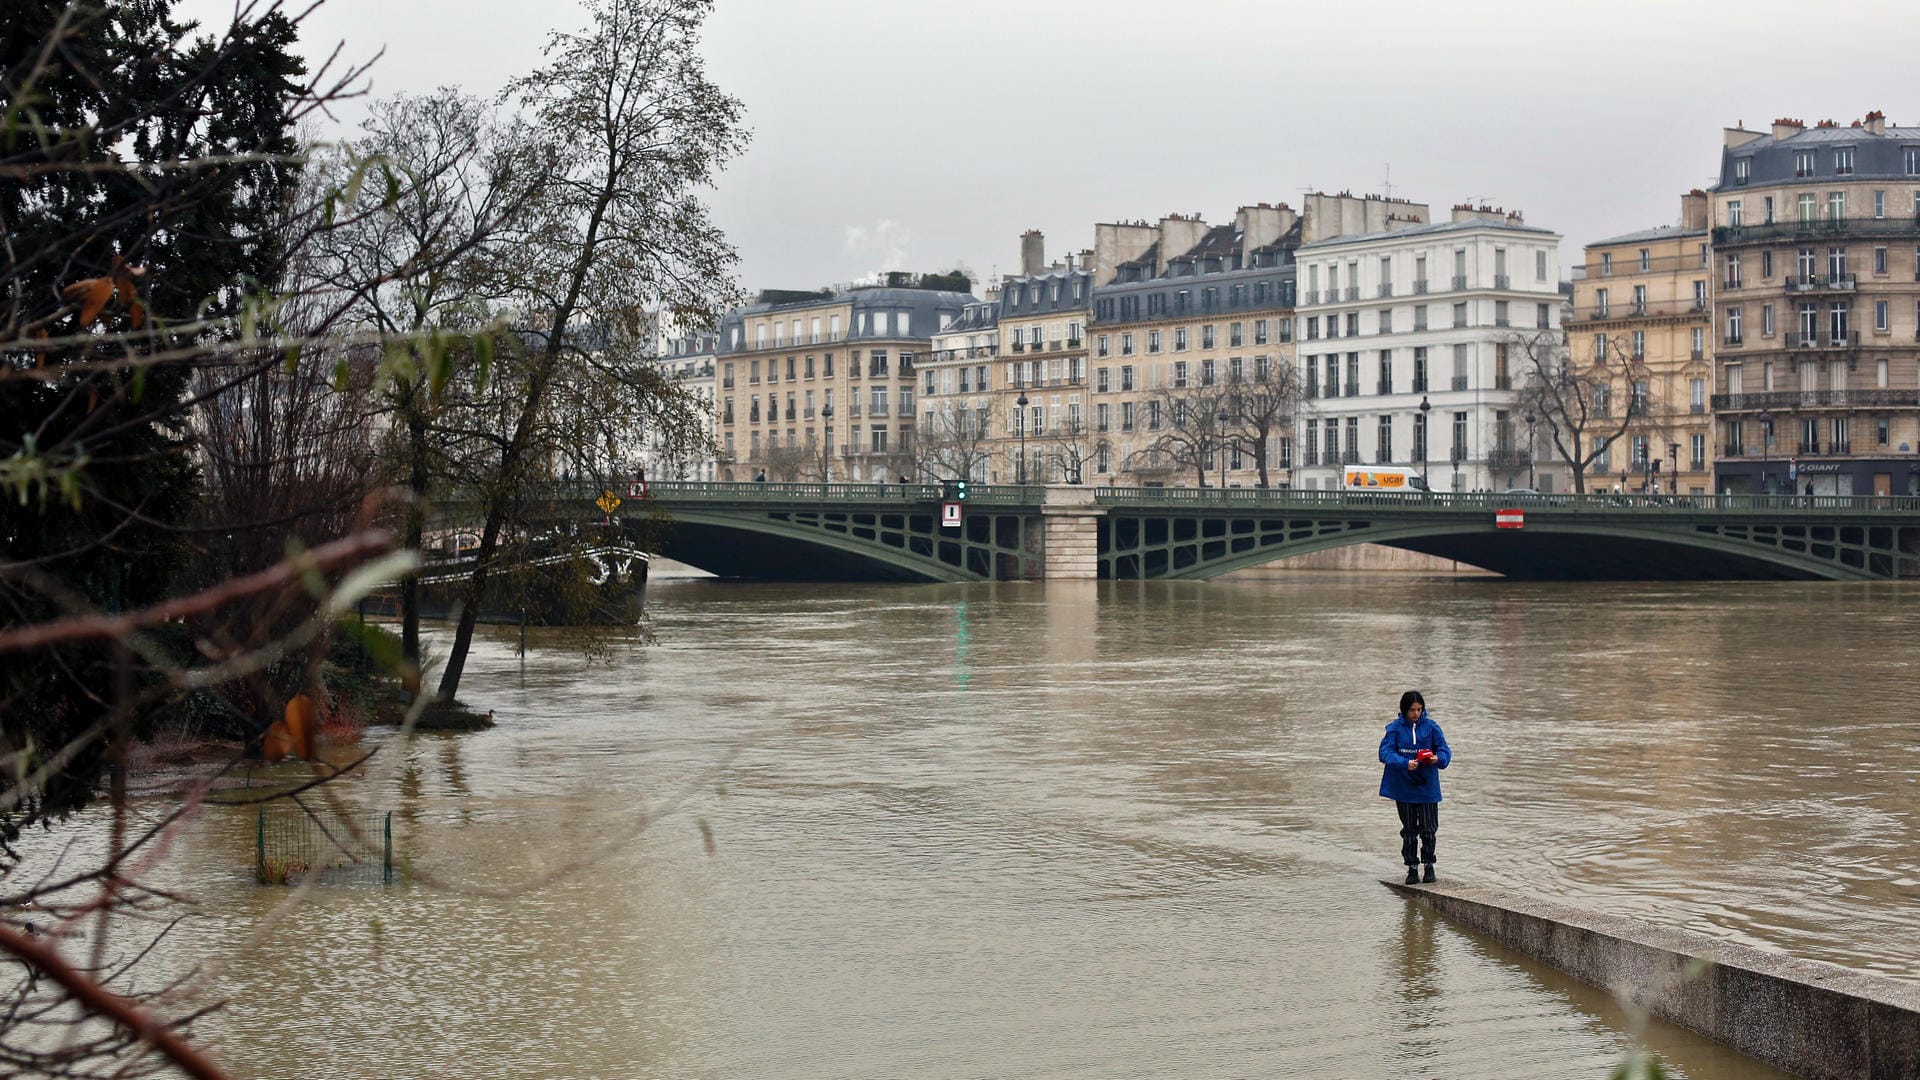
[(1412, 753)]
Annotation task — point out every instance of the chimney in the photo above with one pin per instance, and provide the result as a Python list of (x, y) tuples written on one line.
[(1785, 128), (1693, 210), (1033, 253), (1877, 122), (1178, 235)]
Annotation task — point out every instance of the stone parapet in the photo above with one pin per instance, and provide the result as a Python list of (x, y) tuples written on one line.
[(1072, 521)]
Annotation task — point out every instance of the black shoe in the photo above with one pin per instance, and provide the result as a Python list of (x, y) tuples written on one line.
[(1427, 877), (1413, 876)]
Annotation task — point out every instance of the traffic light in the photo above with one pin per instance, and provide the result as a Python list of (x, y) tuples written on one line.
[(959, 491)]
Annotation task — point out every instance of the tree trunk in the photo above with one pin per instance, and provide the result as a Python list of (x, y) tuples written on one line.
[(1260, 452), (416, 527)]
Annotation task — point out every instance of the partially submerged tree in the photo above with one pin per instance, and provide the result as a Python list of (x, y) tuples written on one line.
[(1584, 406), (619, 238)]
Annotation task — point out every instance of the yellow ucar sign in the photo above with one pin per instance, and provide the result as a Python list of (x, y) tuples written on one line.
[(1384, 479)]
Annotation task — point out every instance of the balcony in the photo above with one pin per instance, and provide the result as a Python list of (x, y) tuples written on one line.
[(853, 410), (1310, 296), (1815, 399), (1506, 459), (1502, 281), (1824, 341), (1419, 384), (1808, 447), (1419, 286), (726, 384), (1731, 339), (1385, 289), (1349, 457), (805, 414), (1459, 282), (1727, 235), (1459, 382), (1352, 390), (1797, 283), (1353, 292), (1019, 346), (1383, 387), (1503, 382), (1697, 354)]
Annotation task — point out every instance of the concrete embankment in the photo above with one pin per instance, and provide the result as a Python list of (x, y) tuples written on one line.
[(1808, 1018)]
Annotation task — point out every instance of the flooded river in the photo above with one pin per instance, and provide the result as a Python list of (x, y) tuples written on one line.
[(1086, 831)]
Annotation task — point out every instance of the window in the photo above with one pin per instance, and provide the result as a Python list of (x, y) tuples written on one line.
[(1540, 268), (1806, 205), (1639, 344), (1331, 388), (1259, 332), (1100, 379), (1353, 324), (1880, 261), (1383, 440), (1600, 303), (1599, 348), (1420, 370), (1697, 396), (1879, 204), (1126, 378), (1234, 336), (1733, 214), (1880, 429), (1836, 205), (1639, 299), (1836, 265), (1912, 155), (1179, 339), (1742, 169), (1313, 328), (1880, 318), (1837, 320), (1733, 326), (1206, 336), (1153, 341), (1766, 210), (1699, 343), (1206, 372), (1803, 163), (1420, 437), (1766, 265), (1646, 260), (1353, 374), (1733, 271), (1309, 365), (1459, 437), (1126, 344), (1606, 264), (1809, 321), (1460, 315), (1843, 161), (1386, 320), (1100, 345), (1353, 439), (1543, 316), (1500, 314)]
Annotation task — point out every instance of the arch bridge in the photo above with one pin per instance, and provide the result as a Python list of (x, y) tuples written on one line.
[(894, 532)]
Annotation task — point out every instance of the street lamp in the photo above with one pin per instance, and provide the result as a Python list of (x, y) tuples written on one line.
[(1673, 468), (1530, 419), (1022, 404), (826, 443), (1766, 444), (1426, 442), (1224, 418)]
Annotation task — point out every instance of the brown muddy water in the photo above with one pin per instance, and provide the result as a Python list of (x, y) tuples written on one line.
[(1083, 831)]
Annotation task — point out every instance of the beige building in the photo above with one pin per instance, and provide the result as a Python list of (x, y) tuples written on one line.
[(820, 386), (1640, 325), (1816, 298)]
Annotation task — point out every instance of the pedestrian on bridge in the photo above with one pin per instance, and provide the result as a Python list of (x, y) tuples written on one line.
[(1412, 753)]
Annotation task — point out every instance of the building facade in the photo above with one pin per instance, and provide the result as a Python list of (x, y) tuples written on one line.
[(821, 386), (958, 407), (1408, 348), (688, 360), (1816, 297), (1641, 325)]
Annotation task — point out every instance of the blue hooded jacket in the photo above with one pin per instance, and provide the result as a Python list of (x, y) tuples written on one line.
[(1397, 747)]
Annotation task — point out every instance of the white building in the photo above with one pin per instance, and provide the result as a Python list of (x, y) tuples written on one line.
[(688, 360), (1426, 314)]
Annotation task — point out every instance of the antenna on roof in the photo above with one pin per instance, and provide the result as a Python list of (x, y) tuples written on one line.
[(1387, 184)]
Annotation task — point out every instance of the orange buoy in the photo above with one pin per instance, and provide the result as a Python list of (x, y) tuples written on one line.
[(303, 720)]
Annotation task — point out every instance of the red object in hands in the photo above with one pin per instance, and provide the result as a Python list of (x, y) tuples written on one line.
[(1426, 755)]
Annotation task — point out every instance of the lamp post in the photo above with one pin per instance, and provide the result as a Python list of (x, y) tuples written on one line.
[(1224, 417), (1022, 404), (826, 443), (1530, 419), (1426, 441), (1766, 445)]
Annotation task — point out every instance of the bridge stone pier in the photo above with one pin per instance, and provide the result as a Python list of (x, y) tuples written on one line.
[(897, 532), (1072, 534)]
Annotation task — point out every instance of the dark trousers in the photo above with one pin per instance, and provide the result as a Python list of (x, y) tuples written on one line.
[(1418, 822)]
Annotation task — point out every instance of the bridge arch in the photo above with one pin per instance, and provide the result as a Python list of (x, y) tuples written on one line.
[(885, 543)]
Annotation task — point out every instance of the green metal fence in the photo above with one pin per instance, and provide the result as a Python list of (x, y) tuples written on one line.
[(293, 843)]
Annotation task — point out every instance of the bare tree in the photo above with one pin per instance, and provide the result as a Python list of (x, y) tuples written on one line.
[(1193, 432), (1262, 407), (1074, 448), (954, 442), (1585, 407), (788, 462)]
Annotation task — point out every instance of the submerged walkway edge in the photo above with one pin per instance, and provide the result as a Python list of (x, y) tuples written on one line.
[(1808, 1018)]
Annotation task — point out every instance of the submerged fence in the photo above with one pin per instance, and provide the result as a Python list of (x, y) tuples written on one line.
[(294, 842)]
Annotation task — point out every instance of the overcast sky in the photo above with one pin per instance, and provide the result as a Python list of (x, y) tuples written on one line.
[(906, 134)]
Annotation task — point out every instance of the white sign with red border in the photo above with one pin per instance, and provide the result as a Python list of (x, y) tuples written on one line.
[(1510, 518), (949, 515)]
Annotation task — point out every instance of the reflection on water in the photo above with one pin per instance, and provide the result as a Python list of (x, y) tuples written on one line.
[(1086, 830)]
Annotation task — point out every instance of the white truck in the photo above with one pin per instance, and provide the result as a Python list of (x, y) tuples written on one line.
[(1383, 478)]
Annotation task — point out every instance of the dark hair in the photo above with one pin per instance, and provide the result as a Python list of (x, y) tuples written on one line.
[(1409, 698)]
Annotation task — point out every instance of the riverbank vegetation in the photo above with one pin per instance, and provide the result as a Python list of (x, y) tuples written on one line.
[(245, 374)]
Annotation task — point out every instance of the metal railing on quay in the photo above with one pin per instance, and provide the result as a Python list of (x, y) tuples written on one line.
[(786, 491)]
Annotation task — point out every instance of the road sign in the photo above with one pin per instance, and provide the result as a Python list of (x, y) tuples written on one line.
[(949, 515), (1510, 519), (608, 502)]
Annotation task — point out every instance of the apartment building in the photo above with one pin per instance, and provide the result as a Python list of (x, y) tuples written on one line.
[(958, 409), (1040, 397), (821, 385), (1415, 329), (688, 360), (1816, 297), (1640, 326)]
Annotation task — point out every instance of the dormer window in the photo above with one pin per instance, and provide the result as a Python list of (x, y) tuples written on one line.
[(1843, 161), (1803, 163), (1742, 168)]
